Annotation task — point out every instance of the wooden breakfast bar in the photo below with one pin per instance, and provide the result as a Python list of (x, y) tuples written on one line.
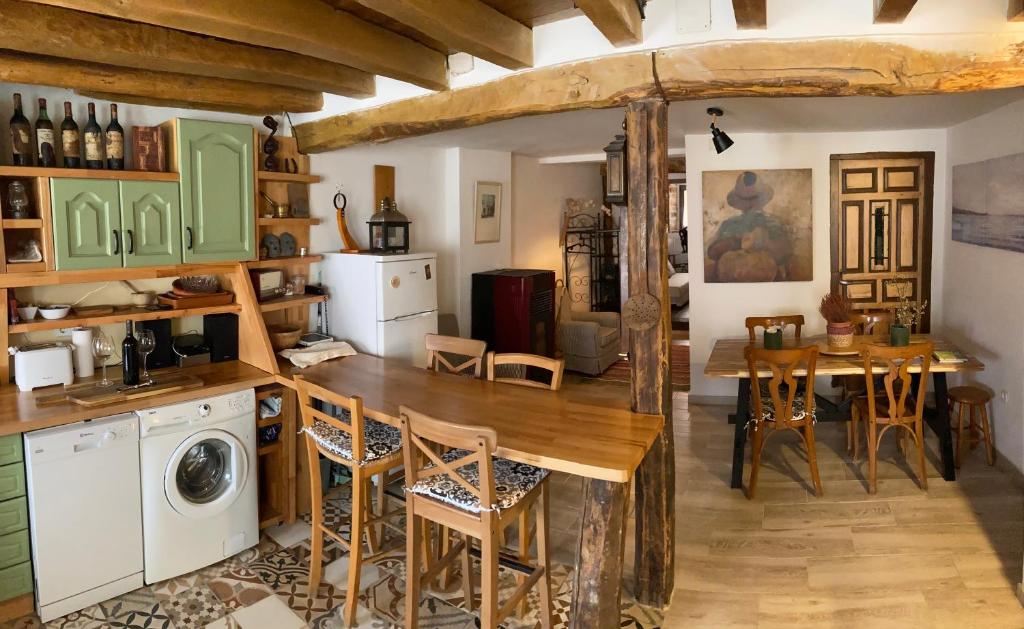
[(566, 431)]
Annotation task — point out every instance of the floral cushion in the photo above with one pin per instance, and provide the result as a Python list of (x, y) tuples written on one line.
[(512, 481), (767, 410), (379, 440)]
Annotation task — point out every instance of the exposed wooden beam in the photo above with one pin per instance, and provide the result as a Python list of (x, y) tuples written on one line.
[(831, 67), (465, 25), (618, 20), (892, 11), (308, 27), (31, 28), (162, 88), (1015, 11), (751, 13)]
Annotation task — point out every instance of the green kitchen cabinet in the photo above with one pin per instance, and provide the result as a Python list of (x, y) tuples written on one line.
[(215, 160), (150, 223), (86, 224)]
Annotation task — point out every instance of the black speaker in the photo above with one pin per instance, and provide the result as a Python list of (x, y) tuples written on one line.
[(221, 332), (163, 355)]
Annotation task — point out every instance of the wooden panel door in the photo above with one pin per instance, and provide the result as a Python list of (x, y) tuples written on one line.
[(151, 223), (882, 228), (86, 224), (217, 203)]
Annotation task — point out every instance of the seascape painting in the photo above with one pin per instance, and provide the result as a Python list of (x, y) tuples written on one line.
[(757, 226), (987, 203)]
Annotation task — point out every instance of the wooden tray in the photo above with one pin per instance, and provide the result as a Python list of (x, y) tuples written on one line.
[(89, 394), (199, 301), (828, 350)]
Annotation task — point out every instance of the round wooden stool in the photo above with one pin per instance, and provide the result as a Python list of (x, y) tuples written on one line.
[(972, 400)]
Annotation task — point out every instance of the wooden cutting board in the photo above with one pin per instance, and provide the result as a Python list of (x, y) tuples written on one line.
[(199, 301), (89, 394)]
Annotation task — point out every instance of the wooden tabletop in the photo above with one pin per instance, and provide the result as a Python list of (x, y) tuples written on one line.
[(19, 411), (727, 361), (568, 430)]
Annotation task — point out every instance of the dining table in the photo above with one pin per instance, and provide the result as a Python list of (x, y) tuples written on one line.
[(575, 430), (727, 361)]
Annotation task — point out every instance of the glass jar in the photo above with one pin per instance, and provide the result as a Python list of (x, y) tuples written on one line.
[(17, 199)]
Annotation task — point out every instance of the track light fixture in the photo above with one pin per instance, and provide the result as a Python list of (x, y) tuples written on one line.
[(718, 137)]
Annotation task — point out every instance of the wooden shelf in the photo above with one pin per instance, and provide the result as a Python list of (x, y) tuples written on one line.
[(26, 267), (22, 223), (288, 221), (272, 262), (291, 302), (266, 175), (85, 173), (19, 275), (132, 314), (270, 447)]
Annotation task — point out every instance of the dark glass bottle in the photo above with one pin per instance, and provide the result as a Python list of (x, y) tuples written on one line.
[(130, 356), (70, 140), (21, 135), (115, 141), (93, 136), (46, 155)]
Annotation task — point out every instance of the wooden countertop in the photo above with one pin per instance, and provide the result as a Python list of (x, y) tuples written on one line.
[(20, 413)]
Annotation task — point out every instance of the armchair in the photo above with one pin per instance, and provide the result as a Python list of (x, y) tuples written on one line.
[(589, 340)]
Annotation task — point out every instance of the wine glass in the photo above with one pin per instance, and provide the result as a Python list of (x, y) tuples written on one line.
[(103, 348), (147, 343)]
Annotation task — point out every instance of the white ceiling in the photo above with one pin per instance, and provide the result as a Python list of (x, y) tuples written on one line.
[(588, 131)]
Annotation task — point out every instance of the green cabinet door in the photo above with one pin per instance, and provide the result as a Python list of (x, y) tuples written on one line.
[(217, 202), (151, 223), (86, 224)]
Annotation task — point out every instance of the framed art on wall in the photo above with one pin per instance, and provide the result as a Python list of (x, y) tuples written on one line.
[(487, 212)]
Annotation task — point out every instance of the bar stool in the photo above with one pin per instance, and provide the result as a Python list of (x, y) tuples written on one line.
[(975, 401)]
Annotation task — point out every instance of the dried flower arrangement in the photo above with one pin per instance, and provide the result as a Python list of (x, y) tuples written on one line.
[(908, 313), (836, 308)]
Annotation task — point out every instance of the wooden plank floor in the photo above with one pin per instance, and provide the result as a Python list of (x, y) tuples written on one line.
[(948, 557)]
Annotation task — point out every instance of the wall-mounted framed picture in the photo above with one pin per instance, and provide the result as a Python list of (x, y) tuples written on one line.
[(487, 212)]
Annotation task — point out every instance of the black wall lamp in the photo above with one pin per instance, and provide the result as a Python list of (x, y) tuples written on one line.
[(718, 137)]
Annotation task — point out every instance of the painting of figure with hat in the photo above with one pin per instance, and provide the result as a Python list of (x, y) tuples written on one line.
[(757, 226)]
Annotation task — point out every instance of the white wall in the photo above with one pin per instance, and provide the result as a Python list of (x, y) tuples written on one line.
[(718, 310), (984, 303)]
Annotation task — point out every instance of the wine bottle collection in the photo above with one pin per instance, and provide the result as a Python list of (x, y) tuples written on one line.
[(102, 149)]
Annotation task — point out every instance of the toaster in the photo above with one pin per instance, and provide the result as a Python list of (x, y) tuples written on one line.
[(42, 365)]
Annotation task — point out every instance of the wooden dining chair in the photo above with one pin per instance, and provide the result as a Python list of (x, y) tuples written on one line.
[(781, 402), (865, 323), (518, 368), (895, 404), (470, 491), (441, 350), (781, 321), (366, 447)]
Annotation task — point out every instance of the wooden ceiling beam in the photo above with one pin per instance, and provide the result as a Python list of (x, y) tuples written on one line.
[(832, 67), (892, 11), (465, 25), (159, 88), (30, 28), (307, 27), (618, 20), (1015, 11), (751, 14)]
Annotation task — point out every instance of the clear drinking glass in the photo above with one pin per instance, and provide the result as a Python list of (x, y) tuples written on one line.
[(103, 348), (147, 343)]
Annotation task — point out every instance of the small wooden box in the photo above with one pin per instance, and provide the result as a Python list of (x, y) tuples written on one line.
[(148, 151)]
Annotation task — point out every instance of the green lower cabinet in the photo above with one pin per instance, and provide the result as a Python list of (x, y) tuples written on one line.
[(15, 581), (13, 515), (12, 481), (86, 224), (151, 223), (14, 549), (10, 449)]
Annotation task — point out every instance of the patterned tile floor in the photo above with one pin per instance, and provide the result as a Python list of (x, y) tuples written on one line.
[(266, 587)]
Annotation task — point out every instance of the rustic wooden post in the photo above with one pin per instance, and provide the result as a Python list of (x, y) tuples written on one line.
[(597, 583), (648, 316)]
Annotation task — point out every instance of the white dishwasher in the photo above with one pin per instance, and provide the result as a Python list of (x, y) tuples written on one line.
[(85, 512)]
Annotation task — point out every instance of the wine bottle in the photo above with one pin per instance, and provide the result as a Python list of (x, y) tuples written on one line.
[(45, 153), (130, 356), (70, 140), (21, 135), (93, 136), (115, 141)]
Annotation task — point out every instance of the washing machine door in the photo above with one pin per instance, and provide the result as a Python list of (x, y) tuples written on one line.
[(206, 474)]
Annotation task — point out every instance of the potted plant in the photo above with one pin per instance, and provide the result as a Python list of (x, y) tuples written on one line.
[(836, 308), (908, 314)]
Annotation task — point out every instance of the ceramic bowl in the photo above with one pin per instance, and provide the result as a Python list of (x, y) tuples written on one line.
[(56, 311), (143, 298), (27, 313)]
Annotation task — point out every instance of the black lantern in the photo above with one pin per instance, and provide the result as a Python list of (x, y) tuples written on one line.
[(615, 175), (389, 229)]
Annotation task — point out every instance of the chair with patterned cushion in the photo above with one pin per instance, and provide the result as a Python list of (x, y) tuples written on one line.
[(779, 401), (476, 494), (443, 350), (865, 323), (525, 370), (366, 447)]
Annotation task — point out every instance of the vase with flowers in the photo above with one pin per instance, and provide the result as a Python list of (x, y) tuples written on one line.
[(908, 315), (836, 308)]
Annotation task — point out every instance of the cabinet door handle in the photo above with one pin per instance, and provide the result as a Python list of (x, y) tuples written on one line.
[(131, 241), (188, 235), (117, 243)]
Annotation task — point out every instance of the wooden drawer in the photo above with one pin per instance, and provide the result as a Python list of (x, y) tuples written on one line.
[(14, 549), (10, 449), (12, 481), (13, 515), (15, 580)]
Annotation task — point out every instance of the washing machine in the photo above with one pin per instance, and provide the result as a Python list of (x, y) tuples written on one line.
[(199, 497)]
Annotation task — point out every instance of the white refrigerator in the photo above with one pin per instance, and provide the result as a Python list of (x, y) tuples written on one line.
[(382, 304)]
